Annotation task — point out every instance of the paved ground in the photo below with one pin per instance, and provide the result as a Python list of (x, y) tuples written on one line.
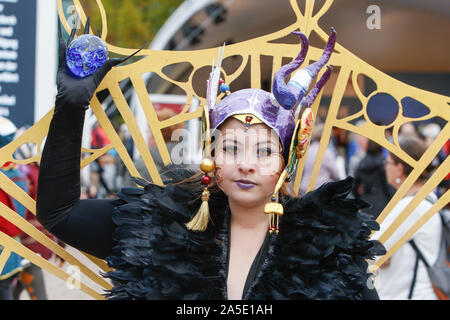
[(57, 289)]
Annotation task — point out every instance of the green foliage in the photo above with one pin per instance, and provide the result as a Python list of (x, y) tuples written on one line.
[(131, 23)]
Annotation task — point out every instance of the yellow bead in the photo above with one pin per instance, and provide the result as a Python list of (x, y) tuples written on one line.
[(207, 165)]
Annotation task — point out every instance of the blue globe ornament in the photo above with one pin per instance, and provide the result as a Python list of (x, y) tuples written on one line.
[(86, 54)]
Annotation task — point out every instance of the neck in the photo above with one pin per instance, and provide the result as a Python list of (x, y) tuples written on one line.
[(248, 218), (414, 189)]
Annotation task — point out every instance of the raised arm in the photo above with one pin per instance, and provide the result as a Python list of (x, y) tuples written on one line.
[(84, 224)]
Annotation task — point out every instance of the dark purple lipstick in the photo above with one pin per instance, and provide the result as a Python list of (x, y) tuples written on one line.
[(245, 184)]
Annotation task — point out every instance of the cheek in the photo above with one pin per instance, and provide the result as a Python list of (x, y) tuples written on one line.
[(224, 181), (271, 168), (271, 181), (223, 171), (270, 174), (390, 174)]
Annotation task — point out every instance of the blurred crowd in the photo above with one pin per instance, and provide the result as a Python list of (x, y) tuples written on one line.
[(377, 173), (108, 174), (18, 274)]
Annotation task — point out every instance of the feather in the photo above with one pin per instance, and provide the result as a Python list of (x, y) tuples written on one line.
[(320, 253)]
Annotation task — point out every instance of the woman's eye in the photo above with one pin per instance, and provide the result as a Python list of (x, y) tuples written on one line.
[(264, 152), (230, 149)]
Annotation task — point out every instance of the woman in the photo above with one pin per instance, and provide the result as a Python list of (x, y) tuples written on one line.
[(328, 170), (148, 236), (395, 278), (370, 180)]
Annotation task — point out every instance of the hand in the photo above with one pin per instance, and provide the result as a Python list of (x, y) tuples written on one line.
[(74, 91)]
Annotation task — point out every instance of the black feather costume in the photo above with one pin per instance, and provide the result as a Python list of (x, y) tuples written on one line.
[(320, 253)]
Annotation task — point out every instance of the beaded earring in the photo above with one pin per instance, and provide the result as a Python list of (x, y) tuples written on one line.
[(200, 221), (299, 144)]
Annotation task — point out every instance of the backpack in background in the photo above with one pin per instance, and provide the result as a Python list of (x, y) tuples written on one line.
[(439, 272)]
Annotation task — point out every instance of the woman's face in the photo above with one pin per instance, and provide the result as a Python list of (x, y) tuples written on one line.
[(248, 164), (393, 171)]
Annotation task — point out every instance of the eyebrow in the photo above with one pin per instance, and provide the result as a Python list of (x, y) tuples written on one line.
[(269, 142), (231, 140)]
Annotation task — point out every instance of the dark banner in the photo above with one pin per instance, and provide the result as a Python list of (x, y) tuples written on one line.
[(17, 60)]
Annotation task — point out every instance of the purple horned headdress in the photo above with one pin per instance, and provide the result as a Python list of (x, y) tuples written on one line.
[(258, 103), (278, 109)]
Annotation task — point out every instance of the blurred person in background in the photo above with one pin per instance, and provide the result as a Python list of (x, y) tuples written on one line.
[(340, 139), (14, 264), (127, 140), (446, 183), (430, 132), (408, 130), (370, 180), (395, 277), (171, 144), (125, 137), (103, 168), (31, 278), (356, 151), (328, 170)]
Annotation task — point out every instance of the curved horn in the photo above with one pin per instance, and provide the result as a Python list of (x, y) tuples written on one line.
[(289, 95), (282, 93), (315, 67)]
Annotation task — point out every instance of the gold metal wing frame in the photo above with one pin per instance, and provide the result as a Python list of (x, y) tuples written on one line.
[(349, 66)]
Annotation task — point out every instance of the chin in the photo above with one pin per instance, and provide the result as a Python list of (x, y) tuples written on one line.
[(249, 198)]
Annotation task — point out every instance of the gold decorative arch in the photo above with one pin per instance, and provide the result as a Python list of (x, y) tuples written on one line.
[(349, 66)]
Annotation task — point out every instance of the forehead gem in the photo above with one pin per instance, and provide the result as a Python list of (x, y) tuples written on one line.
[(248, 119)]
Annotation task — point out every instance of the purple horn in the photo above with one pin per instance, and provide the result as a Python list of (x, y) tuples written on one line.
[(286, 96), (315, 67), (289, 95)]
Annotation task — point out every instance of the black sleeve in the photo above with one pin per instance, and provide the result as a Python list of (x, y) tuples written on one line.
[(83, 224), (88, 227)]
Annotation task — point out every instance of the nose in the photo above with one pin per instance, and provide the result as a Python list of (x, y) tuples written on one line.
[(245, 168), (246, 164)]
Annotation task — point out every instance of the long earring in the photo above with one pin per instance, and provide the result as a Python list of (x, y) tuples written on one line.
[(274, 209), (299, 144), (201, 218)]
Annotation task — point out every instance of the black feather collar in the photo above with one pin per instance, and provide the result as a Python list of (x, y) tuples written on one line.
[(320, 253)]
